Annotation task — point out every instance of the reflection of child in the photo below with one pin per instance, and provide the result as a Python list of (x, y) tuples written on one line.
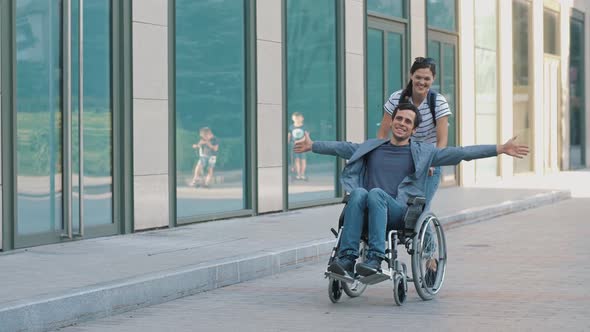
[(208, 147), (296, 132)]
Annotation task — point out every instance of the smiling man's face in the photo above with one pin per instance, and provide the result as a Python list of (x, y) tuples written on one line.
[(402, 126)]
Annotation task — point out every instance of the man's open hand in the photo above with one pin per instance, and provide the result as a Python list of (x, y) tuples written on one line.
[(512, 149), (303, 145)]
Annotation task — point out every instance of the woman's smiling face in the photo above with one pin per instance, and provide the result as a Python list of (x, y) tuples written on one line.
[(421, 81)]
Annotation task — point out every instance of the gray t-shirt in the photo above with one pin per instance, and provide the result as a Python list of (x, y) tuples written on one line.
[(387, 166)]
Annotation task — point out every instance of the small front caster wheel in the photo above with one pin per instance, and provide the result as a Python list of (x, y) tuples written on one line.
[(399, 289), (334, 290)]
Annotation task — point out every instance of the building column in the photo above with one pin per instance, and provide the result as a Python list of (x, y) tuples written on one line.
[(417, 29), (270, 105), (355, 70), (467, 85), (150, 114)]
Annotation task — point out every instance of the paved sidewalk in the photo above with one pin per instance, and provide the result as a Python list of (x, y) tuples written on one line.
[(51, 286)]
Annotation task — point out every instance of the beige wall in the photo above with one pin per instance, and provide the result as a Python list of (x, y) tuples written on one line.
[(466, 94), (355, 70), (1, 223), (417, 29), (271, 134), (150, 113)]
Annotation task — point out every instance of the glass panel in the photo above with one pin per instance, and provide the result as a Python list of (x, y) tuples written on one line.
[(550, 32), (98, 115), (434, 53), (441, 14), (395, 8), (210, 107), (577, 101), (521, 15), (38, 117), (311, 82), (449, 86), (486, 80), (375, 86), (445, 82), (485, 25), (394, 63), (486, 108)]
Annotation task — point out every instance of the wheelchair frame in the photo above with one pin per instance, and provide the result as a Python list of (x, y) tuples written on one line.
[(416, 222)]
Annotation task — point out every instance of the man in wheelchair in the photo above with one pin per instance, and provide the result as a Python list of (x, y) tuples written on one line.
[(381, 175)]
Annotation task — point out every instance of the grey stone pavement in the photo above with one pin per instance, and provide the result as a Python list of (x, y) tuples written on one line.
[(526, 271), (51, 286)]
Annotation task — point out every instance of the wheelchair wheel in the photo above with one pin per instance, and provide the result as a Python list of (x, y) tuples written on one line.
[(429, 258), (356, 288), (399, 289), (334, 290)]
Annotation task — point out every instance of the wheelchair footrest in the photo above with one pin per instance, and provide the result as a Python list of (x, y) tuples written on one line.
[(339, 277), (374, 278)]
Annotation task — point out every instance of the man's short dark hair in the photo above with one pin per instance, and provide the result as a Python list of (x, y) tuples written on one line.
[(410, 107)]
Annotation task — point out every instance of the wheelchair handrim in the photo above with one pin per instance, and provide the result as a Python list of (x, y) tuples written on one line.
[(440, 277)]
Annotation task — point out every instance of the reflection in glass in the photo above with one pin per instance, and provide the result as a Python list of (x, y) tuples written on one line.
[(434, 53), (577, 101), (522, 108), (97, 115), (210, 93), (38, 117), (378, 87), (395, 8), (449, 87), (311, 91), (441, 14), (444, 54), (550, 32), (394, 63), (486, 80), (375, 89)]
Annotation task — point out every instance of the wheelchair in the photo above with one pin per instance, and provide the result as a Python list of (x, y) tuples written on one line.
[(424, 240)]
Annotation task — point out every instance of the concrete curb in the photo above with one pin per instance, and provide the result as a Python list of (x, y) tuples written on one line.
[(101, 300), (470, 216)]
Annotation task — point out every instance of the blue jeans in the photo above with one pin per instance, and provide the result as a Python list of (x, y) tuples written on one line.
[(384, 213), (432, 183)]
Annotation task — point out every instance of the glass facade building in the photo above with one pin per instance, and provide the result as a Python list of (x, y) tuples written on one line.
[(123, 116)]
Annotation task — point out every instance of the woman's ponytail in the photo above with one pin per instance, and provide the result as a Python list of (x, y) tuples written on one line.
[(406, 93)]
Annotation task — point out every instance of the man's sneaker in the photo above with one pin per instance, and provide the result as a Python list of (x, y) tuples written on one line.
[(431, 269), (343, 266), (369, 267)]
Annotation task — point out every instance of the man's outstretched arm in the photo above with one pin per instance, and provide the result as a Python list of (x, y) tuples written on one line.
[(335, 148), (454, 155)]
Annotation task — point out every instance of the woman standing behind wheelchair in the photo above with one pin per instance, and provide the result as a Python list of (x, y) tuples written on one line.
[(435, 125)]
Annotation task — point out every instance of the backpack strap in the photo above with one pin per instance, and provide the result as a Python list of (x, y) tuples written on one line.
[(432, 104)]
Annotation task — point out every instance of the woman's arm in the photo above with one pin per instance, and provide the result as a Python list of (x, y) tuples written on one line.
[(442, 132)]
